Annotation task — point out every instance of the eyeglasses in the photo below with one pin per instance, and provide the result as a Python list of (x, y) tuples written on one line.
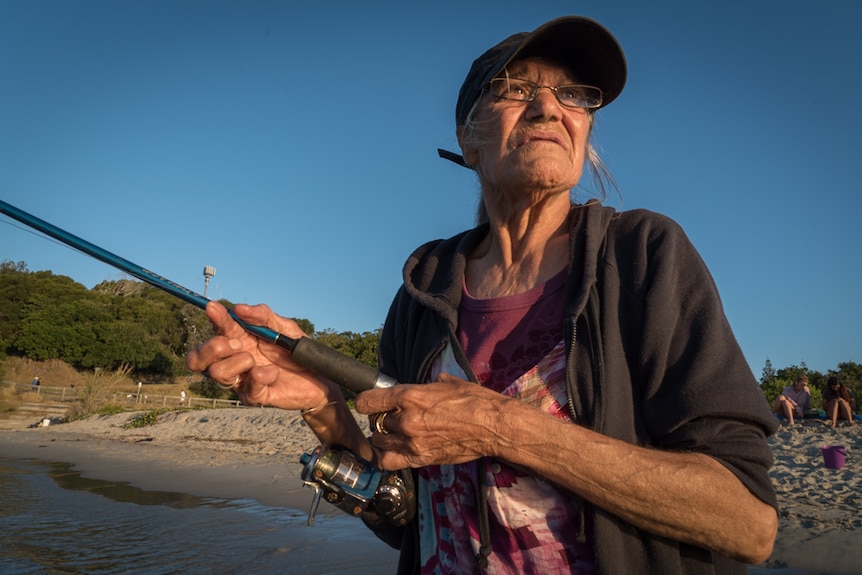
[(569, 95)]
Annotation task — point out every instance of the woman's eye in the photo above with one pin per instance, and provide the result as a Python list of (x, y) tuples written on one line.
[(517, 88), (569, 92)]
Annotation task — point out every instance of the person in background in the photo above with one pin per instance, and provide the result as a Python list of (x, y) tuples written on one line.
[(838, 402), (572, 398), (34, 385), (794, 399)]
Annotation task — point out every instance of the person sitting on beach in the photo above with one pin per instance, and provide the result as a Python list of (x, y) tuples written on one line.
[(572, 398), (794, 399), (838, 402)]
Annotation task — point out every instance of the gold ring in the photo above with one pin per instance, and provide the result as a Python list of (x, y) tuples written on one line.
[(377, 422), (230, 385)]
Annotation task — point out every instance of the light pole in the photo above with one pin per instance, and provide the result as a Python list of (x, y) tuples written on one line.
[(209, 272)]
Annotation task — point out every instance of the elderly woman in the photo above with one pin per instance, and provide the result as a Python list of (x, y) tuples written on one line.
[(572, 398)]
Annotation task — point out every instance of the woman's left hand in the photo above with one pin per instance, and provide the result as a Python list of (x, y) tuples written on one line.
[(446, 422)]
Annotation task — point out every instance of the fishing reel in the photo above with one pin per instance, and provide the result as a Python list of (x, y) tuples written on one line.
[(355, 486)]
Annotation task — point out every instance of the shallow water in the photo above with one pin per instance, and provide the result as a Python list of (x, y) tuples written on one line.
[(54, 521)]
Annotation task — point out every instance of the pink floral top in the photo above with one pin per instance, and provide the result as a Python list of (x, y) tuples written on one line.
[(516, 347)]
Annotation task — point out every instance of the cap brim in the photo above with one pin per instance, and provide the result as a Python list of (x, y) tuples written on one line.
[(584, 46)]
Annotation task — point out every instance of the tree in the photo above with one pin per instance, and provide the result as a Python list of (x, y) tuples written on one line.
[(768, 373), (21, 289), (770, 384), (8, 266), (305, 325), (851, 375), (358, 346)]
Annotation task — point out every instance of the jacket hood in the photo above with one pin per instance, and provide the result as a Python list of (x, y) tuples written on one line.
[(433, 273)]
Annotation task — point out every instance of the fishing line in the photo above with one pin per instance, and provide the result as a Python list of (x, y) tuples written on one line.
[(346, 371)]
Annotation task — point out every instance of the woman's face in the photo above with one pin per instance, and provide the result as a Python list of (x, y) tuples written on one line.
[(529, 146)]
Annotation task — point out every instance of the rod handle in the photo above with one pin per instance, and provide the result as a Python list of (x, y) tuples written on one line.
[(344, 370)]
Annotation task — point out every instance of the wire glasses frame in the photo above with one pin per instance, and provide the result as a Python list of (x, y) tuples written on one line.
[(568, 95)]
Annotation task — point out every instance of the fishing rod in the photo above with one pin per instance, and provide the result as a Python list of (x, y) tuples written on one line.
[(346, 371), (348, 481)]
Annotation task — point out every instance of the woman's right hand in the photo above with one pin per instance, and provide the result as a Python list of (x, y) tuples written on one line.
[(261, 372)]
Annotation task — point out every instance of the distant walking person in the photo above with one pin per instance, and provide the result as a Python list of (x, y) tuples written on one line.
[(36, 383), (794, 399)]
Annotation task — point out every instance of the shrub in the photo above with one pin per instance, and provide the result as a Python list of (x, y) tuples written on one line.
[(144, 419)]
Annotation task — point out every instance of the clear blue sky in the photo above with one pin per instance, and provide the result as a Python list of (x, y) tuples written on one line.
[(292, 146)]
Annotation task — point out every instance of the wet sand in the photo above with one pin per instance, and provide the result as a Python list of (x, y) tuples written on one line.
[(254, 453)]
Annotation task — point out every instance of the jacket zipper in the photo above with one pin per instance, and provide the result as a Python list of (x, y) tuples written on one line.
[(426, 361), (570, 361)]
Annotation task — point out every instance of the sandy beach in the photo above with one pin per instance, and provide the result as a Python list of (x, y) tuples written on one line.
[(254, 453), (820, 517)]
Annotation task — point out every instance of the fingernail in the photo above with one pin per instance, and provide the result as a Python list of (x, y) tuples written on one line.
[(235, 344)]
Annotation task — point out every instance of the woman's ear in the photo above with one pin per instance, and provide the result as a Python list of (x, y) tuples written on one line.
[(470, 153)]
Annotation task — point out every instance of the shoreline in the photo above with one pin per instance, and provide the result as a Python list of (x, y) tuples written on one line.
[(253, 453), (249, 453), (161, 468)]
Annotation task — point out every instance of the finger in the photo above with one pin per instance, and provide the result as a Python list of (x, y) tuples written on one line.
[(391, 460), (212, 351), (379, 400), (383, 423), (255, 386), (226, 371), (222, 321), (262, 315), (449, 378), (232, 385), (389, 454)]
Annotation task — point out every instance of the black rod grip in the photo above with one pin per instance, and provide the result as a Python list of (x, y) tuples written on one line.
[(346, 371)]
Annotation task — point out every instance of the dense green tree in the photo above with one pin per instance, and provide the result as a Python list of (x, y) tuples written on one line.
[(305, 325), (129, 325), (850, 373), (359, 346), (773, 388), (119, 324), (18, 286)]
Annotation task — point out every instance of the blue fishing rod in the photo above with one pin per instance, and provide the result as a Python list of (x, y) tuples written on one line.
[(346, 371), (349, 482)]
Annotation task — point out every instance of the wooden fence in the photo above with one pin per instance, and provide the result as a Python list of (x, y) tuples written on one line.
[(145, 400)]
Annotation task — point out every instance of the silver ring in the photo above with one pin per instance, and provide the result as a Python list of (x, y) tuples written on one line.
[(377, 422)]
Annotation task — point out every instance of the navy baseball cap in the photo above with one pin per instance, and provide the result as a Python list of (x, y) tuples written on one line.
[(583, 45)]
